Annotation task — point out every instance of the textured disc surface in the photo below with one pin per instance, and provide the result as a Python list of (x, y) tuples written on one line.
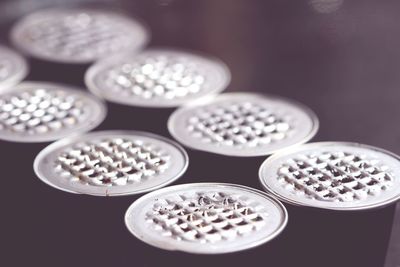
[(40, 112), (333, 175), (77, 35), (157, 78), (13, 68), (207, 218), (243, 124), (110, 163)]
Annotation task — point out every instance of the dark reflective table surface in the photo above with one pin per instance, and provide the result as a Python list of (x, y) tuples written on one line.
[(339, 57)]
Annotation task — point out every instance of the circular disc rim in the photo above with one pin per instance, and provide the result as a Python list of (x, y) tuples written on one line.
[(91, 124), (16, 37), (22, 66), (71, 140), (100, 65), (291, 201), (280, 207), (173, 131)]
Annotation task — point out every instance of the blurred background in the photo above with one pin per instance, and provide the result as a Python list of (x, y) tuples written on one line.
[(339, 57)]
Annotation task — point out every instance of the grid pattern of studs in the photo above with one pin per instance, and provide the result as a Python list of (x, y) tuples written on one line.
[(238, 124), (79, 34), (167, 77), (338, 176), (111, 162), (205, 217), (40, 111)]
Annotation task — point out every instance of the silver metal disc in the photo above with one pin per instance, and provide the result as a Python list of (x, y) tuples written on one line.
[(41, 112), (157, 78), (333, 175), (13, 68), (207, 218), (243, 124), (77, 35), (111, 163)]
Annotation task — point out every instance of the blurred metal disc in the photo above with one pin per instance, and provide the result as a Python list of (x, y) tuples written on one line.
[(72, 35), (157, 78), (13, 68), (41, 112)]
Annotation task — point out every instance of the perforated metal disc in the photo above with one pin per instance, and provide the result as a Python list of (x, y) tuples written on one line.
[(111, 163), (157, 78), (13, 68), (77, 35), (40, 112), (243, 124), (333, 175), (206, 218)]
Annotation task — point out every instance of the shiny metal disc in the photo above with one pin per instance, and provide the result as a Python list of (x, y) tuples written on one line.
[(243, 124), (111, 163), (13, 68), (207, 218), (72, 35), (41, 112), (333, 175), (157, 78)]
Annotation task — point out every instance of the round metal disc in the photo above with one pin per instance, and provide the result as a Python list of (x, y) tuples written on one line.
[(40, 112), (111, 163), (207, 218), (333, 175), (157, 78), (13, 68), (243, 124), (77, 35)]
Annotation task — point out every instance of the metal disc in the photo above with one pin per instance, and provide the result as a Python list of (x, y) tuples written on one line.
[(13, 68), (72, 35), (157, 78), (207, 218), (41, 112), (243, 124), (111, 163), (333, 175)]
